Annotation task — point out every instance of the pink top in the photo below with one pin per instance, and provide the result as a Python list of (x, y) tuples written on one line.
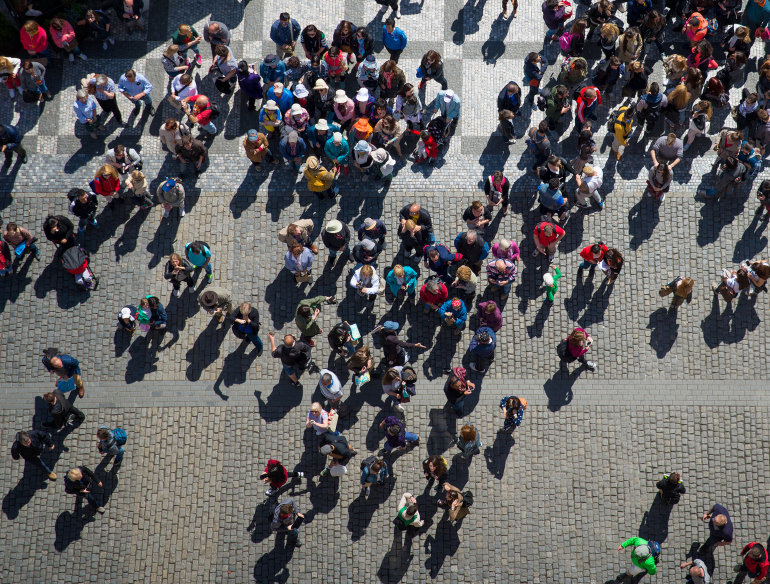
[(577, 351), (37, 43), (351, 111), (66, 35), (512, 255)]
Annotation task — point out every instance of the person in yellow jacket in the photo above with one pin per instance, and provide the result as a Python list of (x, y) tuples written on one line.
[(622, 130), (320, 180)]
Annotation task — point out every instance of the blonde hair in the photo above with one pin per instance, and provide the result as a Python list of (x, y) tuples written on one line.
[(398, 270), (610, 31), (184, 29), (5, 64), (107, 169), (315, 407), (367, 271), (175, 256), (410, 224), (137, 175), (244, 308), (464, 273), (171, 51), (679, 96), (704, 106), (31, 27), (744, 34), (74, 474)]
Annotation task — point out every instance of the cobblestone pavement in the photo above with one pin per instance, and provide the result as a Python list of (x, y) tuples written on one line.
[(204, 413)]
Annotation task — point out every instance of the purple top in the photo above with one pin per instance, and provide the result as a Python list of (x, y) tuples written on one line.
[(512, 255), (493, 320), (250, 85), (553, 18)]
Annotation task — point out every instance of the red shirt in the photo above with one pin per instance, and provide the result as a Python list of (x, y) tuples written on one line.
[(438, 298), (204, 116), (431, 147), (106, 186), (277, 485), (758, 567), (541, 236), (589, 257)]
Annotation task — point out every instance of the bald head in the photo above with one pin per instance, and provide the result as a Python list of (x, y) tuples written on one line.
[(201, 101), (500, 265), (213, 28), (414, 209), (288, 340)]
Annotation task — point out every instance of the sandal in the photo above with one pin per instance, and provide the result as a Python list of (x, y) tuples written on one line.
[(81, 391)]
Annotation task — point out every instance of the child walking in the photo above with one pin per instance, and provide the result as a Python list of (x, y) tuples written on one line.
[(550, 283)]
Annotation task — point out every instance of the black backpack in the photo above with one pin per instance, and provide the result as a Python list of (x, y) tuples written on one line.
[(214, 111), (467, 498), (611, 121), (367, 462)]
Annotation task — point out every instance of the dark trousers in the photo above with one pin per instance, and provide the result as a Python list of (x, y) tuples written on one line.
[(257, 342), (91, 499), (177, 284), (111, 105), (19, 150), (394, 55), (676, 8), (392, 3), (60, 419), (39, 464), (533, 91)]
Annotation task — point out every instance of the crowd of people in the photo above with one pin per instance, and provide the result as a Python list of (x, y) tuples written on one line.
[(307, 119)]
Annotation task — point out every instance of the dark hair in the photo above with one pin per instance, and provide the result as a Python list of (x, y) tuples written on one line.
[(221, 51), (390, 22), (153, 302), (304, 311), (614, 61), (286, 509), (275, 472), (533, 56), (553, 183), (334, 51), (451, 496), (674, 477), (103, 433), (315, 60), (380, 103), (294, 61), (663, 169), (542, 127), (50, 222), (411, 510), (513, 403), (552, 4), (562, 91), (24, 439), (284, 17), (743, 278), (705, 48), (310, 28), (654, 88), (596, 248), (377, 466), (406, 88), (553, 159), (613, 257), (195, 247), (49, 398), (762, 270), (765, 186), (394, 430)]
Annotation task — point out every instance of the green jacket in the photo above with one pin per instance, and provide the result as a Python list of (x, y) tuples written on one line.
[(647, 564), (554, 105), (550, 292), (308, 326)]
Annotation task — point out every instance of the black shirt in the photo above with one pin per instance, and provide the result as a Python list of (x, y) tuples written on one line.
[(341, 447)]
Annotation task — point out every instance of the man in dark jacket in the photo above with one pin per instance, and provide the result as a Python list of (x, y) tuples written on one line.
[(438, 258), (396, 435), (671, 488), (60, 230), (424, 225), (294, 355), (65, 366), (84, 206), (557, 104), (473, 248), (510, 99), (392, 346), (284, 518), (30, 445), (10, 142), (245, 323), (375, 230), (336, 447), (61, 410), (336, 237), (365, 253), (129, 12), (482, 349), (79, 482)]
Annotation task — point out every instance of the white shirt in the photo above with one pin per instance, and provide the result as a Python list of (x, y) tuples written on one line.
[(370, 285), (334, 391), (182, 91), (595, 181)]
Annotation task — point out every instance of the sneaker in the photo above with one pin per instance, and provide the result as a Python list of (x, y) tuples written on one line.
[(426, 309), (398, 13), (472, 366), (152, 110), (686, 146), (534, 253), (295, 383), (166, 214), (300, 474), (457, 332), (82, 56), (72, 57), (398, 407), (325, 472), (209, 278), (590, 364), (199, 60), (104, 46), (534, 106), (583, 207), (662, 197), (601, 204), (112, 40), (190, 289), (181, 213), (270, 492), (550, 258), (52, 476), (100, 510), (297, 543), (11, 93), (81, 230), (366, 491), (176, 293)]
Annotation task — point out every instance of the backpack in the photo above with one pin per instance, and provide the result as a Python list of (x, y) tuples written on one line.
[(400, 524), (120, 436), (611, 121), (367, 462), (72, 196), (409, 377), (214, 111), (468, 501), (565, 41), (562, 350), (654, 550)]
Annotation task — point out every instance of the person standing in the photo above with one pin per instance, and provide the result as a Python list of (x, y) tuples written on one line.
[(285, 33), (199, 255), (10, 142), (331, 389), (755, 562), (178, 270), (457, 388), (14, 236), (408, 512), (182, 86), (108, 445), (433, 294), (575, 346), (30, 445), (65, 367), (187, 38), (60, 230), (336, 237), (589, 187), (720, 527), (276, 475), (257, 149), (497, 188), (482, 349), (453, 314), (306, 315), (294, 355), (61, 410), (592, 255), (85, 109), (32, 77), (245, 325), (137, 184), (191, 152), (622, 130), (287, 518), (63, 36), (402, 281), (641, 557), (373, 474), (299, 261), (130, 12), (501, 274), (135, 87), (393, 38), (366, 282), (473, 248), (35, 40), (299, 231), (80, 481), (171, 195), (469, 442), (100, 27), (105, 89), (682, 289), (217, 301), (319, 180), (216, 33), (547, 237), (698, 571), (671, 488), (199, 111)]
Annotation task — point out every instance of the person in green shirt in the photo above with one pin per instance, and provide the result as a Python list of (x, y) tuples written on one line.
[(641, 557), (407, 511), (550, 284), (307, 314)]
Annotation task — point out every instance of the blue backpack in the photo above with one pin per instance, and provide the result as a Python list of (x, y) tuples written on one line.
[(654, 550), (120, 437)]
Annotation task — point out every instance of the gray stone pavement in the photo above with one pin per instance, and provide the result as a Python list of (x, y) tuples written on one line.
[(204, 413)]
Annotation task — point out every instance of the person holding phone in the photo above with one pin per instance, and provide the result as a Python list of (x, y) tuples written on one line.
[(287, 518)]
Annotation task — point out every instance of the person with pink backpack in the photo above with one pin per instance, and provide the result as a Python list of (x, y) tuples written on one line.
[(573, 42)]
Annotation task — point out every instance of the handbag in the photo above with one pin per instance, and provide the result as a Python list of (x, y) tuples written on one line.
[(400, 524), (302, 276), (419, 73), (360, 380), (29, 96)]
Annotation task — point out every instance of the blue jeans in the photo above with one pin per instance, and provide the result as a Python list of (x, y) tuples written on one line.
[(409, 438), (333, 252), (458, 406), (208, 268), (288, 369), (551, 32), (193, 48), (585, 265), (118, 455), (146, 99), (350, 348), (42, 87), (431, 238), (210, 128), (505, 287), (257, 342), (91, 499), (40, 464)]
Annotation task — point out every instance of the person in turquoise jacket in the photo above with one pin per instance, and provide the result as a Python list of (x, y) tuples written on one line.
[(402, 280), (447, 104), (453, 313), (338, 150), (756, 14), (641, 557)]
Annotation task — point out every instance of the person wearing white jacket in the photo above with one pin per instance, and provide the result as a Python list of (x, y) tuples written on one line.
[(366, 282), (384, 164)]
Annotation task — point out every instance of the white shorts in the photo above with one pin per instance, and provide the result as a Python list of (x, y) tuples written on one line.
[(635, 570)]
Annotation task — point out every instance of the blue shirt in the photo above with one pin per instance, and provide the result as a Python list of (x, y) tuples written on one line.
[(282, 35), (284, 102), (85, 111), (268, 73), (367, 477), (550, 199), (69, 364), (483, 349), (395, 41), (518, 414), (195, 259), (136, 87), (460, 314)]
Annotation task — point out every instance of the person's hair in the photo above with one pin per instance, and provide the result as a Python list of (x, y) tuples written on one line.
[(346, 26), (91, 14), (398, 270), (153, 302), (245, 307), (505, 115), (590, 93), (765, 186), (176, 256), (367, 271), (743, 278), (27, 64), (731, 163), (705, 107), (310, 28), (103, 433), (578, 336), (285, 16), (102, 79), (390, 376), (171, 124), (389, 123), (542, 127), (405, 88), (376, 466), (585, 134), (579, 64), (739, 58), (596, 248), (578, 27), (654, 20), (315, 61), (107, 169), (433, 56), (744, 34), (79, 94), (532, 57), (678, 62), (119, 149), (185, 30), (762, 270), (49, 398), (304, 311), (294, 62), (74, 474), (763, 115), (334, 52), (57, 23), (390, 22), (513, 403), (394, 429), (412, 510), (468, 433), (629, 36), (171, 51), (720, 520), (389, 66), (221, 51), (490, 307), (31, 27), (187, 139), (433, 253), (609, 31), (754, 553), (477, 204), (464, 273), (654, 88), (410, 224), (635, 67), (13, 227), (553, 183), (679, 97), (275, 472), (614, 61), (552, 4), (694, 21), (5, 64), (737, 135), (694, 77), (326, 378), (315, 407), (663, 169), (286, 509), (24, 437), (438, 464), (548, 229), (137, 175), (562, 91), (751, 98), (705, 49), (674, 477), (613, 257)]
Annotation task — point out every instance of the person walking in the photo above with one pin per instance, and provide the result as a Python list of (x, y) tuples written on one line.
[(65, 366), (29, 445), (408, 513), (104, 90), (61, 410), (372, 474), (108, 444), (457, 388), (85, 110), (217, 301), (187, 39), (396, 436), (393, 37), (331, 389), (80, 481), (178, 270), (482, 349), (294, 355), (682, 289), (136, 183), (574, 347), (199, 255), (287, 519), (306, 315), (588, 187), (257, 149), (337, 448), (671, 488), (135, 87), (720, 528), (469, 442), (642, 558), (60, 230), (299, 231), (697, 571), (755, 562), (245, 325), (10, 142), (592, 255), (276, 475)]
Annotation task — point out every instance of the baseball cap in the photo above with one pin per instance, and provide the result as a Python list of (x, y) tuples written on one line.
[(449, 95), (253, 137), (369, 223), (642, 551), (548, 280), (278, 87), (125, 313), (390, 325), (168, 185)]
